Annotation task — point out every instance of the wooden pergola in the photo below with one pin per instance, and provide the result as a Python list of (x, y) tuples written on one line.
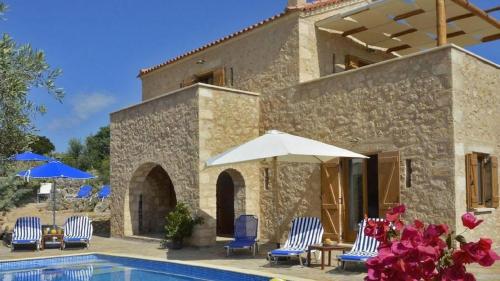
[(404, 27)]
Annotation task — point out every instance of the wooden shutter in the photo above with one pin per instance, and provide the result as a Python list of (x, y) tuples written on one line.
[(330, 200), (471, 180), (188, 82), (388, 181), (494, 182), (219, 77), (351, 62)]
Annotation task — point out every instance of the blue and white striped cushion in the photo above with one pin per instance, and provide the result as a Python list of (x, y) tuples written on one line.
[(27, 230), (29, 275), (77, 228), (79, 274), (305, 231), (364, 246)]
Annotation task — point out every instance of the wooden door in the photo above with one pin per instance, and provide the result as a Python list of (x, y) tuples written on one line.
[(331, 200), (388, 181)]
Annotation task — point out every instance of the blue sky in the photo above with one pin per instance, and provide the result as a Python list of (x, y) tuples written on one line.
[(101, 45)]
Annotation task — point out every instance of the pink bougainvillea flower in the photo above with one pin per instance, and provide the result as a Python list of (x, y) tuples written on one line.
[(479, 252), (418, 224), (454, 273), (470, 221), (435, 230), (394, 214)]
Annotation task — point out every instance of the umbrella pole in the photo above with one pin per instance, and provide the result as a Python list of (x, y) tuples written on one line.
[(54, 204), (276, 191)]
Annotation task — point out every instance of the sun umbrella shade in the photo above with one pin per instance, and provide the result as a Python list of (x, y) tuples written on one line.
[(55, 170), (29, 156), (283, 146)]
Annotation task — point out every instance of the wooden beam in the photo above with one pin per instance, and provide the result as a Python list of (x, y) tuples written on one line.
[(477, 11), (409, 14), (404, 32), (468, 15), (354, 31), (455, 34), (398, 48), (491, 38), (440, 22)]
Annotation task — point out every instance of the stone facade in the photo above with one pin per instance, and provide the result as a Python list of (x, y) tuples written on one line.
[(476, 118), (159, 148), (426, 106)]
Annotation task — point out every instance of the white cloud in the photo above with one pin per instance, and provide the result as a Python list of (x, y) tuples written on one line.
[(83, 107)]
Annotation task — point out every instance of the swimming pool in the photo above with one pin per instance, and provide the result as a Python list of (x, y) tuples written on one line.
[(97, 267)]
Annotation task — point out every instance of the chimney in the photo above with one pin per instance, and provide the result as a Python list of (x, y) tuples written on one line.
[(296, 3)]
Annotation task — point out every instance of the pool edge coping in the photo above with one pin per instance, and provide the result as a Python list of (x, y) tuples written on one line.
[(198, 264)]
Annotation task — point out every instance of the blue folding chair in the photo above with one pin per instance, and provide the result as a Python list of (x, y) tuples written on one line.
[(77, 229), (305, 231), (364, 247), (27, 231), (245, 234), (84, 192), (104, 192)]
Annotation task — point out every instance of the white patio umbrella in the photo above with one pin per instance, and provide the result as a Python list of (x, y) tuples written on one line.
[(276, 146), (281, 147)]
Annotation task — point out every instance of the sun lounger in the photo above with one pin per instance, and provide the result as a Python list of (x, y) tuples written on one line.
[(27, 231), (245, 234), (84, 192), (77, 229), (364, 247), (305, 231), (105, 192)]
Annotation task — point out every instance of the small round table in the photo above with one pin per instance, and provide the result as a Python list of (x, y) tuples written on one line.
[(324, 248)]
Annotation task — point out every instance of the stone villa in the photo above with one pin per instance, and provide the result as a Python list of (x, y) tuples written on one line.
[(428, 117)]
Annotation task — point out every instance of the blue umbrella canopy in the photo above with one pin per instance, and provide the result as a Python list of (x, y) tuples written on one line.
[(55, 170), (29, 156)]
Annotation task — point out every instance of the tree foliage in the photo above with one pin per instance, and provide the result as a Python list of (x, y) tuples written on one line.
[(42, 145), (93, 154), (22, 69), (14, 191)]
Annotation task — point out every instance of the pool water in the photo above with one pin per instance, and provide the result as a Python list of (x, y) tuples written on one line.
[(113, 268)]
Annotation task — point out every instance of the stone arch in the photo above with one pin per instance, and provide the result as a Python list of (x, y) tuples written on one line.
[(230, 200), (150, 197)]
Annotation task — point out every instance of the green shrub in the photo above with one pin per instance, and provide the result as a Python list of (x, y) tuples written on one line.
[(180, 223)]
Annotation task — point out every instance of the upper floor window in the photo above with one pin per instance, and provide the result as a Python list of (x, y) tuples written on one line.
[(353, 62), (214, 77), (482, 180)]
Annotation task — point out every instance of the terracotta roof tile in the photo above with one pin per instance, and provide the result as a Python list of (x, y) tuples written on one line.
[(307, 8)]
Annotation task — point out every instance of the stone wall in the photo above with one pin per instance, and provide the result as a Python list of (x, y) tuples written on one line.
[(160, 132), (177, 133), (403, 104), (228, 118), (476, 114), (261, 60)]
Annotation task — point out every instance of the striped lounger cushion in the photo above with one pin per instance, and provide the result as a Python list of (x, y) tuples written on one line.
[(77, 229), (364, 247), (305, 231), (27, 230), (79, 274)]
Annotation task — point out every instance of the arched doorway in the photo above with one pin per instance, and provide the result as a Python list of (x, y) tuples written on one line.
[(151, 198), (229, 201)]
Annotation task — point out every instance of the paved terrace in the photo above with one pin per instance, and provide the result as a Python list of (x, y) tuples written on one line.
[(215, 257)]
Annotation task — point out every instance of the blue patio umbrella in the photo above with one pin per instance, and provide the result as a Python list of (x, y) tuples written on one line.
[(29, 156), (55, 170)]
